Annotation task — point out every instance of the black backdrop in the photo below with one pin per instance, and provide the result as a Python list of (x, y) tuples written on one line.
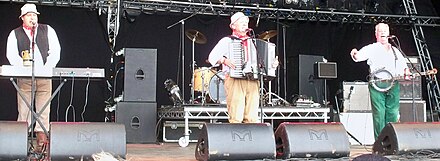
[(82, 34)]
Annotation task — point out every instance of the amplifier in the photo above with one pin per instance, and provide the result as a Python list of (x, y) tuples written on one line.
[(173, 130), (410, 114), (356, 97), (326, 70)]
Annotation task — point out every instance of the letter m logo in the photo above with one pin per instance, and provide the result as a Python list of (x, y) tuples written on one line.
[(318, 134), (88, 136), (244, 135)]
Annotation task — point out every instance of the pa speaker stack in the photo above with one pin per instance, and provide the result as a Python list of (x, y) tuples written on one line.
[(138, 110), (404, 138)]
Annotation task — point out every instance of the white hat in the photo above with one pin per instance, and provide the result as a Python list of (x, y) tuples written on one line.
[(29, 7), (236, 17)]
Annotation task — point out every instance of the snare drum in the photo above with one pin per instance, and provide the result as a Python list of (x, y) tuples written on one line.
[(202, 76), (217, 91)]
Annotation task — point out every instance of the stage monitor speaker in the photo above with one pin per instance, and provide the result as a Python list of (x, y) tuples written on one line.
[(410, 114), (236, 142), (325, 70), (13, 140), (356, 97), (140, 74), (139, 119), (80, 140), (311, 140), (405, 138), (302, 78)]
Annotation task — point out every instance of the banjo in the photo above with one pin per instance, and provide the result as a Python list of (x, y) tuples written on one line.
[(387, 80)]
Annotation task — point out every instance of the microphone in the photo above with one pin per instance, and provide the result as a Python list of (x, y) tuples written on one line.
[(349, 93), (33, 23), (248, 30), (390, 36), (258, 20)]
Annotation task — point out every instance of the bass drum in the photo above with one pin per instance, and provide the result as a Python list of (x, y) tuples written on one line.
[(217, 91)]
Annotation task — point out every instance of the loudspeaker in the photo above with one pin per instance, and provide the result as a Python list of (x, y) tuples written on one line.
[(140, 74), (311, 140), (13, 140), (139, 119), (410, 114), (79, 140), (325, 70), (302, 77), (235, 142), (356, 97), (403, 138)]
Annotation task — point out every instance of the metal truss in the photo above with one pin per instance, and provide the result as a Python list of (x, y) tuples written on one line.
[(425, 59), (156, 6)]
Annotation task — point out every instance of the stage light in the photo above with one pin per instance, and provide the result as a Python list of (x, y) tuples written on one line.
[(173, 92)]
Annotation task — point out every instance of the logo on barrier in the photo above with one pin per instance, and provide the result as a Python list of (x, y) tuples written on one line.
[(318, 134), (241, 135), (422, 133), (88, 136)]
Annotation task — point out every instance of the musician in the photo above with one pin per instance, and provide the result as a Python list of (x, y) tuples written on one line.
[(383, 56), (242, 95), (46, 52)]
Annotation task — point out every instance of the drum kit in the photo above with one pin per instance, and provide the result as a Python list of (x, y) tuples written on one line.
[(208, 82)]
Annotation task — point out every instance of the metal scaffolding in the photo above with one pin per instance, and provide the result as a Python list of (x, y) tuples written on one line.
[(425, 60)]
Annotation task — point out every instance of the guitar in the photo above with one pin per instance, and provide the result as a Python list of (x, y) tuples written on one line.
[(385, 84)]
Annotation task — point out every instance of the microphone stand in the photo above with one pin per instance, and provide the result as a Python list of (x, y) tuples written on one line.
[(412, 79), (182, 52)]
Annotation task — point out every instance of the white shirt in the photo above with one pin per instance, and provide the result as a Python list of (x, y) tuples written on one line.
[(53, 57), (379, 58)]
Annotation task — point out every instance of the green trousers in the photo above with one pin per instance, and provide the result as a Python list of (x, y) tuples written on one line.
[(385, 107)]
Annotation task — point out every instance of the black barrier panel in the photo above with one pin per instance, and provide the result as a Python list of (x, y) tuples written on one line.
[(403, 138), (13, 140), (312, 140), (235, 142), (79, 140)]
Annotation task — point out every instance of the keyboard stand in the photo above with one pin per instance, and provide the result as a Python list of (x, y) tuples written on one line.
[(36, 115)]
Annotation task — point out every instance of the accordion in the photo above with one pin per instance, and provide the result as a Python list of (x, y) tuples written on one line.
[(260, 54)]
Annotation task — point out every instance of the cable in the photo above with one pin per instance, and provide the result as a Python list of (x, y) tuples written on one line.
[(71, 101), (58, 103), (86, 99)]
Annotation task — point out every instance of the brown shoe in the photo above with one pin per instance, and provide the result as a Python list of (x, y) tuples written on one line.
[(42, 142)]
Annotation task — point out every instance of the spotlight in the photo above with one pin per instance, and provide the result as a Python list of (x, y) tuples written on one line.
[(173, 92)]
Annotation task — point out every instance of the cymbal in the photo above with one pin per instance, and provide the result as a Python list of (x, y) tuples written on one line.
[(195, 36), (266, 35)]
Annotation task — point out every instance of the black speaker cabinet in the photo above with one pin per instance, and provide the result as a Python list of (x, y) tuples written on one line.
[(139, 119), (410, 113), (312, 140), (140, 74), (405, 138), (235, 142), (326, 70), (80, 140), (406, 87), (302, 80), (13, 140)]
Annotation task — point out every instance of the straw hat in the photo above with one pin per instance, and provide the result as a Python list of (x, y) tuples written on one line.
[(236, 17)]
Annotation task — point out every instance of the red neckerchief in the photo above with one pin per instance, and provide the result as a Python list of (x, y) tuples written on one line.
[(244, 43), (29, 28)]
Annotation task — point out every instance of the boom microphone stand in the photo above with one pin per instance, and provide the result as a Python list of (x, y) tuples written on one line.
[(397, 44)]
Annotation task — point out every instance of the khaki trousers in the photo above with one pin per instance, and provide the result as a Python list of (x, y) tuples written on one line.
[(42, 95), (242, 99)]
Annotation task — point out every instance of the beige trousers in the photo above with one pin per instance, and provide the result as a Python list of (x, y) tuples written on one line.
[(42, 95), (242, 99)]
